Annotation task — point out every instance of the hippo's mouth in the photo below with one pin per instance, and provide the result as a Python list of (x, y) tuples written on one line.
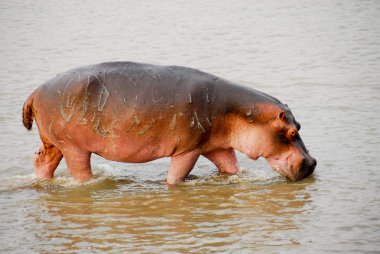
[(281, 166), (294, 172)]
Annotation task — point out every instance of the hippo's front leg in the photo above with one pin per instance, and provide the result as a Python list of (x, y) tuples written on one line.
[(181, 166), (224, 159)]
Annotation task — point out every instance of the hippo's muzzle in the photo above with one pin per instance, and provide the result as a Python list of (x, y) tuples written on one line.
[(307, 168), (293, 167)]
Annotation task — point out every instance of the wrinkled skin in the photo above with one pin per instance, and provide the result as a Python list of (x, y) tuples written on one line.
[(132, 112)]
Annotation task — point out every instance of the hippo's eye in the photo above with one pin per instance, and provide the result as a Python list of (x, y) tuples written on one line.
[(292, 133)]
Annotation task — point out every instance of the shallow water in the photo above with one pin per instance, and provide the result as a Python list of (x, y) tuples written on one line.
[(321, 58)]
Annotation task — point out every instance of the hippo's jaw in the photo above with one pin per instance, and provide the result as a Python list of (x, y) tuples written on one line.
[(281, 166), (294, 169)]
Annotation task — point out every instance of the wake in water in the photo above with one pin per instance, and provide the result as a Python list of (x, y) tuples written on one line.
[(146, 174), (29, 181), (244, 176)]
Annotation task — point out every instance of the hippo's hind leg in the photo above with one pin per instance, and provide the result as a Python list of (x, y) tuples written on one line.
[(78, 162), (224, 159), (180, 167), (46, 161)]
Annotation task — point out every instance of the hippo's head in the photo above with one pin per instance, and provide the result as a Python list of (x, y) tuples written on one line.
[(270, 131)]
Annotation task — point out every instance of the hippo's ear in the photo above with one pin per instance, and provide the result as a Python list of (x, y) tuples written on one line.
[(281, 116)]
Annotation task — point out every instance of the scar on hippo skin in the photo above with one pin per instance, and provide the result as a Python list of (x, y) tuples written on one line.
[(68, 101), (82, 119), (135, 122), (131, 79), (209, 121), (116, 110), (147, 127), (153, 73), (207, 98), (190, 100), (156, 101), (173, 122), (67, 110), (192, 122), (102, 131), (200, 126), (103, 96)]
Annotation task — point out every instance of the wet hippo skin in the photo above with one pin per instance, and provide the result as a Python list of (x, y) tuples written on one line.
[(132, 112)]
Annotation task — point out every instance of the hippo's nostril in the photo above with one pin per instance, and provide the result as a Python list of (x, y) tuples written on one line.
[(308, 167)]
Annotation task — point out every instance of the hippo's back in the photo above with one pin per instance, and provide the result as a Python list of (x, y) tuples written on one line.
[(124, 81)]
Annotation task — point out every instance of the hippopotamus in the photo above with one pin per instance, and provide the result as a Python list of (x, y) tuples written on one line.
[(134, 112)]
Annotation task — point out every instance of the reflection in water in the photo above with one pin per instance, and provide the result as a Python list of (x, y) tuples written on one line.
[(158, 218)]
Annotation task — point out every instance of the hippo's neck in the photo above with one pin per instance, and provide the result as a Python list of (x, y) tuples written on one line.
[(245, 102), (237, 111)]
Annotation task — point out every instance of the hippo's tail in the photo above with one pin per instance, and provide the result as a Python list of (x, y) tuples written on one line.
[(27, 112)]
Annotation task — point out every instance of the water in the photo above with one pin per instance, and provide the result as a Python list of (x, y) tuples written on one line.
[(322, 58)]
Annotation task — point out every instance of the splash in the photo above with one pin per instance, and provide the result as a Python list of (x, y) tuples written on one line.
[(245, 176), (15, 182), (143, 176), (67, 182)]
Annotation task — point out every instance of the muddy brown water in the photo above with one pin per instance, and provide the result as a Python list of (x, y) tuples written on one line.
[(322, 58)]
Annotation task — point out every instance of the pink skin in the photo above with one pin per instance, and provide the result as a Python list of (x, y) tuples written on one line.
[(46, 161), (134, 148), (289, 158), (71, 127), (134, 112), (254, 140)]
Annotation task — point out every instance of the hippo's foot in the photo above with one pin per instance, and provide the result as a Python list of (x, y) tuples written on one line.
[(225, 160), (46, 161), (181, 166), (78, 162)]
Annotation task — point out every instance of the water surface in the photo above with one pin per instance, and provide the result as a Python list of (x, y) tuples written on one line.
[(321, 58)]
